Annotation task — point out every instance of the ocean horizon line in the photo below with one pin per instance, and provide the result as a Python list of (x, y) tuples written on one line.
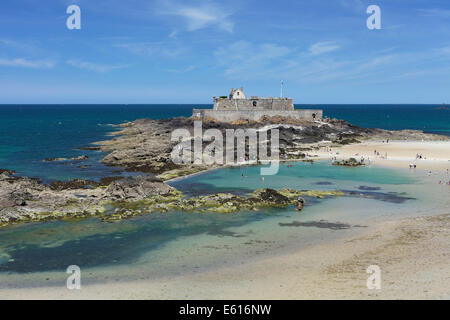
[(210, 104)]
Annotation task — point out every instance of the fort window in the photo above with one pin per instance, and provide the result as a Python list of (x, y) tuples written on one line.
[(314, 116), (255, 103)]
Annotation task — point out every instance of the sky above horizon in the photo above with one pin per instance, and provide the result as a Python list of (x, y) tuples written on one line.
[(171, 51)]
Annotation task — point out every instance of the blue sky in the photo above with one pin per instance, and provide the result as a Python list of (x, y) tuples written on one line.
[(171, 51)]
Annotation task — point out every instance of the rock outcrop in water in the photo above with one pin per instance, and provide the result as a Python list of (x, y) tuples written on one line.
[(145, 145), (28, 200), (352, 162)]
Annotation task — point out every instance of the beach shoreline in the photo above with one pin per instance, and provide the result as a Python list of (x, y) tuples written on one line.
[(412, 254), (400, 155)]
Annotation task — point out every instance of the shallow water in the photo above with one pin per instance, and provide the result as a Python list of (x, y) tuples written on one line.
[(159, 245)]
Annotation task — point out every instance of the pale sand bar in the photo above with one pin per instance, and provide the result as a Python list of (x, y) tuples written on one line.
[(436, 154)]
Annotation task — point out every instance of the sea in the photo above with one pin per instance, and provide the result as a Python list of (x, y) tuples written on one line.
[(29, 134), (155, 246)]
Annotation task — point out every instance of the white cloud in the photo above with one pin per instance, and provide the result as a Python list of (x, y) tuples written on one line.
[(183, 70), (249, 61), (25, 63), (200, 16), (20, 45), (438, 13), (444, 51), (356, 5), (152, 49), (94, 66), (243, 57), (323, 47)]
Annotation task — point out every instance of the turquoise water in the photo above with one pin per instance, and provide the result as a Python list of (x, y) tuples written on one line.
[(302, 176), (31, 133), (49, 247)]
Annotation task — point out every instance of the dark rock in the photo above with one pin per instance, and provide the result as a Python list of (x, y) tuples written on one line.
[(55, 159), (320, 224), (89, 148), (72, 184), (80, 158), (19, 198), (106, 181), (137, 187), (323, 183), (366, 188), (6, 171), (271, 195), (352, 162)]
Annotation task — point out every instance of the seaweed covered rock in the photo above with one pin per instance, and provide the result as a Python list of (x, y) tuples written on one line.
[(26, 200), (320, 194), (352, 162), (271, 196), (225, 203)]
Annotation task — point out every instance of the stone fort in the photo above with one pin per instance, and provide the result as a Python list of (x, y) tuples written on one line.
[(236, 106)]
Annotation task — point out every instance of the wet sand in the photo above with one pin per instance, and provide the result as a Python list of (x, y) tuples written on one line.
[(412, 254)]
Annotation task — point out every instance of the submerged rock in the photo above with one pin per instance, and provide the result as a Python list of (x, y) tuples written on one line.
[(79, 158), (321, 224)]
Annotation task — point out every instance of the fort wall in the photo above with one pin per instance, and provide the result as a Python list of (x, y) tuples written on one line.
[(228, 115), (254, 103), (237, 106)]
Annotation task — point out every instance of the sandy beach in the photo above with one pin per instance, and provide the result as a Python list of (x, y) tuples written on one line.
[(435, 154), (412, 254)]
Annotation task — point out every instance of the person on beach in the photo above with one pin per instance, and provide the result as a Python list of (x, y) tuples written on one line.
[(300, 204)]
